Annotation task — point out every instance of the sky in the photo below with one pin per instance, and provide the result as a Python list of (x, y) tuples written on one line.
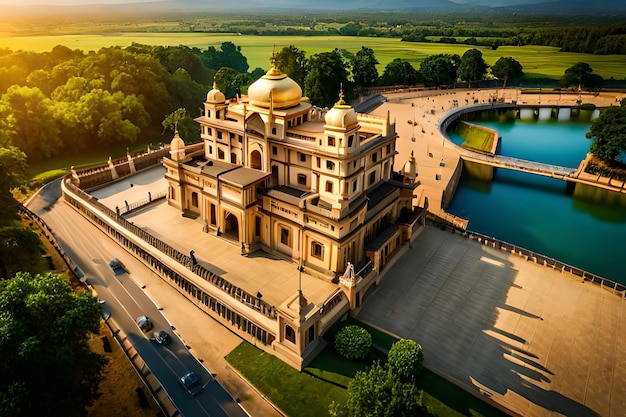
[(87, 2), (68, 2)]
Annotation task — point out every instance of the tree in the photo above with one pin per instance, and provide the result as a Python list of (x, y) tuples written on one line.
[(171, 120), (353, 342), (472, 66), (179, 121), (327, 76), (292, 61), (229, 56), (608, 132), (28, 122), (20, 250), (13, 174), (47, 368), (364, 70), (377, 392), (507, 67), (226, 80), (440, 69), (405, 359), (350, 29), (399, 72), (580, 75)]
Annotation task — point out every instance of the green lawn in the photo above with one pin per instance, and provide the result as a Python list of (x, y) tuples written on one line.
[(476, 137), (295, 393), (537, 61), (309, 393)]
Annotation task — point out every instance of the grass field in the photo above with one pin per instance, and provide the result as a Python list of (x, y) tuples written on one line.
[(537, 61)]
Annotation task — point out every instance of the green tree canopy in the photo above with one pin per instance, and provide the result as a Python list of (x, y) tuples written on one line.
[(27, 121), (13, 174), (20, 251), (226, 80), (405, 359), (47, 368), (399, 72), (506, 68), (229, 55), (364, 70), (353, 342), (326, 77), (580, 75), (292, 61), (440, 69), (608, 132), (472, 66), (377, 392)]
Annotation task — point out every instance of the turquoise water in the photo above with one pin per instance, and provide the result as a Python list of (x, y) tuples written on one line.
[(539, 213)]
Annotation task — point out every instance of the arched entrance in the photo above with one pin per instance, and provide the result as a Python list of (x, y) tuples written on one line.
[(255, 160), (231, 226)]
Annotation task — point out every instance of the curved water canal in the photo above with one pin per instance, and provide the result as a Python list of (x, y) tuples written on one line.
[(585, 227)]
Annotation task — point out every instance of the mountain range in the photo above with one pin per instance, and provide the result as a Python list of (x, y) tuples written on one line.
[(614, 8)]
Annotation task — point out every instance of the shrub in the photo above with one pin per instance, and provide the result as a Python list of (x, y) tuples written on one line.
[(405, 359), (353, 342)]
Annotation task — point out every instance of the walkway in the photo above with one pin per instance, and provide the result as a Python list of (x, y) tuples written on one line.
[(517, 164), (531, 339)]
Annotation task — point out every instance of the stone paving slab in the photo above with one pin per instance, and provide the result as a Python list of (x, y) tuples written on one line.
[(532, 339)]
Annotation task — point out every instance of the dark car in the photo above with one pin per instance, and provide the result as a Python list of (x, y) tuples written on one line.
[(161, 337), (144, 323), (191, 383), (117, 266)]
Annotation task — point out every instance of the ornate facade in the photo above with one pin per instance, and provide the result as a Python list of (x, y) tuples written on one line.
[(313, 186)]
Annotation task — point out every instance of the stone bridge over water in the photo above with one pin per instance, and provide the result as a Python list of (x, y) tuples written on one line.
[(423, 117)]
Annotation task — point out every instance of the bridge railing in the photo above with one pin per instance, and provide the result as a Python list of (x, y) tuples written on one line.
[(613, 286)]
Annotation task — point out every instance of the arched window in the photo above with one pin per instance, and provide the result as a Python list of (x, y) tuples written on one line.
[(255, 160), (220, 154), (290, 334), (233, 158)]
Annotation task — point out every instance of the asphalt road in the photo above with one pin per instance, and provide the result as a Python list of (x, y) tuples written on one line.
[(124, 300)]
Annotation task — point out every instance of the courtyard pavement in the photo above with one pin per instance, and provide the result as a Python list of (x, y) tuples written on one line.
[(529, 338)]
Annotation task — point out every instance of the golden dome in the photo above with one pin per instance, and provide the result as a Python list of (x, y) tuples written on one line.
[(342, 115), (274, 87), (215, 96)]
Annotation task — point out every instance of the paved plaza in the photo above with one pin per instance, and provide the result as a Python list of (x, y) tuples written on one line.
[(539, 342)]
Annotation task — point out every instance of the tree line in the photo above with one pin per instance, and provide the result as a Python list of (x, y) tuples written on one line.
[(591, 34)]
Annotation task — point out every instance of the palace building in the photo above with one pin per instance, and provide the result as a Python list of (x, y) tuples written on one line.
[(313, 186)]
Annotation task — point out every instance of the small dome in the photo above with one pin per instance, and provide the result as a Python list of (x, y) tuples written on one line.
[(410, 168), (215, 96), (274, 87), (341, 115), (177, 143)]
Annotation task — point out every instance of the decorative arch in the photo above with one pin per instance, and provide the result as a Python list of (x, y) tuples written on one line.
[(231, 226), (256, 160)]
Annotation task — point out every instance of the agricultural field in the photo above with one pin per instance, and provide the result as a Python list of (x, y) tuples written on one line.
[(537, 61)]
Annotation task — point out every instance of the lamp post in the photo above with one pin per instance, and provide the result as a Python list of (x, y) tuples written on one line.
[(413, 124)]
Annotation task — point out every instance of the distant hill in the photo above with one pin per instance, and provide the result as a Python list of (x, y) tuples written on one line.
[(552, 7)]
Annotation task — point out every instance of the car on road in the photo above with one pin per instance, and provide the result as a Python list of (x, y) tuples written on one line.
[(191, 383), (117, 266), (144, 323), (161, 337)]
